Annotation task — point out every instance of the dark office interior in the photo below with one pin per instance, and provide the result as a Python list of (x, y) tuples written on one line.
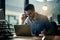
[(12, 10)]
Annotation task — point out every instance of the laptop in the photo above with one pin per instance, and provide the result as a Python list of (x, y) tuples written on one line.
[(22, 30)]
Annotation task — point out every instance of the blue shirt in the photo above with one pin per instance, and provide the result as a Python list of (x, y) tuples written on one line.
[(39, 24)]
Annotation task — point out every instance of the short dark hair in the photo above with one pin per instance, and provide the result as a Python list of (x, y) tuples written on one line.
[(29, 7)]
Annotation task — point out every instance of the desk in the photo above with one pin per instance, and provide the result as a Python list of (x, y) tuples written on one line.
[(23, 38), (34, 38), (27, 38), (37, 38)]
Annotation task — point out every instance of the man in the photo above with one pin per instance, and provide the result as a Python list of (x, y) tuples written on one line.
[(37, 21)]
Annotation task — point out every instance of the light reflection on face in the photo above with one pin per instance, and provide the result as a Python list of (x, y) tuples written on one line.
[(27, 12)]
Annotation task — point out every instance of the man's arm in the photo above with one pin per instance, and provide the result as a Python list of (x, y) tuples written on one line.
[(23, 18)]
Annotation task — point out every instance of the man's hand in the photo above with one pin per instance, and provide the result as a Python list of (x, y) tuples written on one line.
[(23, 18)]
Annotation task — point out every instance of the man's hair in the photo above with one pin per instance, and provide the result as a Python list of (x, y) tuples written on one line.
[(29, 7)]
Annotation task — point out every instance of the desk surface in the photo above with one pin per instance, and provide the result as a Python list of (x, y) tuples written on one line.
[(35, 38), (24, 38), (27, 38)]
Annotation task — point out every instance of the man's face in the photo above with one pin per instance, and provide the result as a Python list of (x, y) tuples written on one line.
[(27, 12)]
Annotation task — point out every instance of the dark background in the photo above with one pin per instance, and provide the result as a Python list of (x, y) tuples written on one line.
[(2, 4), (2, 12)]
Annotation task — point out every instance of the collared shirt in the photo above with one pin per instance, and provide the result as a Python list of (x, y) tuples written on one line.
[(39, 24)]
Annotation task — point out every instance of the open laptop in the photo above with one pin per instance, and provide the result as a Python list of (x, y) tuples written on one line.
[(22, 30)]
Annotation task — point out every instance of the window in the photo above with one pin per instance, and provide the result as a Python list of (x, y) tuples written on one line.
[(13, 11), (14, 8)]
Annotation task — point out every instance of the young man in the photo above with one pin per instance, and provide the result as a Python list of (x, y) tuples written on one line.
[(37, 21)]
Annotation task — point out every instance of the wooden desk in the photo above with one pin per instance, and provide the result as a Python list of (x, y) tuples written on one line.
[(27, 38), (34, 38), (24, 38)]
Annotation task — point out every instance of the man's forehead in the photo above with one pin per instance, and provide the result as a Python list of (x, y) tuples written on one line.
[(27, 10)]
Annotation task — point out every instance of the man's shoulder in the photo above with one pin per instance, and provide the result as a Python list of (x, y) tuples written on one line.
[(42, 16)]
